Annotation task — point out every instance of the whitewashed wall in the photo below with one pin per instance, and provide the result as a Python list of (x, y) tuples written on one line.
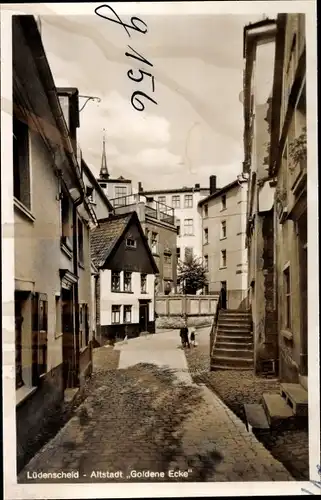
[(109, 298)]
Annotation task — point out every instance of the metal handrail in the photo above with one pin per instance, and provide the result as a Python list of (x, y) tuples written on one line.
[(215, 322)]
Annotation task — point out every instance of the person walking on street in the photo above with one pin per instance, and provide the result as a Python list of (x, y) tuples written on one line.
[(193, 341), (184, 334)]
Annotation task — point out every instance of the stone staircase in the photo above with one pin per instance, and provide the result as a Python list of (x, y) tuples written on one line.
[(233, 346), (287, 409)]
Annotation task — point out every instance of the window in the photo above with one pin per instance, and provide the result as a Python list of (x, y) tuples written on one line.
[(143, 283), (287, 303), (80, 242), (178, 253), (115, 281), (21, 165), (223, 258), (130, 243), (127, 314), (147, 234), (206, 210), (223, 229), (120, 195), (115, 314), (205, 235), (66, 230), (127, 282), (188, 227), (176, 201), (178, 227), (188, 201), (90, 193), (188, 253), (206, 262), (167, 258), (155, 243), (223, 202), (162, 199)]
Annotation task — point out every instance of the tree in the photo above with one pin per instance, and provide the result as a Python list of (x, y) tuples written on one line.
[(192, 275)]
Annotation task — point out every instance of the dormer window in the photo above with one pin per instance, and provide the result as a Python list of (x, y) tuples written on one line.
[(130, 243), (90, 193)]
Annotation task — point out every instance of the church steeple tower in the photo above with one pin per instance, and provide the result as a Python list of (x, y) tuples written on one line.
[(104, 174)]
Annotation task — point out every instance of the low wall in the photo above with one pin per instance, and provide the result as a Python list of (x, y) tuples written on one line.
[(199, 310)]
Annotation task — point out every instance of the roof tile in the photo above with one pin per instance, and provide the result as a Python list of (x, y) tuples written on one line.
[(104, 237)]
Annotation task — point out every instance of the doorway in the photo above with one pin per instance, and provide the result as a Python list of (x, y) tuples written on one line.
[(143, 316), (19, 300), (67, 322), (303, 258), (223, 295)]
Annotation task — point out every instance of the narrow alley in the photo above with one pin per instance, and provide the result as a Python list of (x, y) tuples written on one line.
[(147, 420)]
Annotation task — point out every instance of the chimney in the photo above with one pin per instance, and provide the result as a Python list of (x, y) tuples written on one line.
[(140, 187), (197, 186), (212, 184)]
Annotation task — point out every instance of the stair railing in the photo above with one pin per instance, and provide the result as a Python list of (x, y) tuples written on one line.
[(213, 333)]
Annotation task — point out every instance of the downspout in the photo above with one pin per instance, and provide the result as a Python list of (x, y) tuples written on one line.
[(76, 203)]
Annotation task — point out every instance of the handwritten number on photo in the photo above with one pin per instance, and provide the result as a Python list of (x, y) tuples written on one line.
[(139, 58), (132, 26), (135, 55), (134, 96)]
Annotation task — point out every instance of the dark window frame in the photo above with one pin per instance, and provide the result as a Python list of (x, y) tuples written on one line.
[(128, 281), (21, 163), (115, 281), (115, 310), (127, 308)]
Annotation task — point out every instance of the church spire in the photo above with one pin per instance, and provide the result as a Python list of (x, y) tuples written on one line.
[(104, 174)]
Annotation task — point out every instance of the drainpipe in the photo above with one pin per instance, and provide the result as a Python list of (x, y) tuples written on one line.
[(76, 203)]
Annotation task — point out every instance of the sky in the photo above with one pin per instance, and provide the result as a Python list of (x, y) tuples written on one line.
[(196, 128)]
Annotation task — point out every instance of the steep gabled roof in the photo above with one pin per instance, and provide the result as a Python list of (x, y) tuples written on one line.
[(105, 238)]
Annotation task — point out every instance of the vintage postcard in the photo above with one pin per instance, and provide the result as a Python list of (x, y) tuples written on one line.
[(160, 249)]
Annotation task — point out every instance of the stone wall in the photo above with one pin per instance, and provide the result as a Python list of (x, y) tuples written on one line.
[(199, 310)]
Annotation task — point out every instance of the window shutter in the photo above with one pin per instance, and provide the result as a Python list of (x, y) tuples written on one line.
[(39, 336)]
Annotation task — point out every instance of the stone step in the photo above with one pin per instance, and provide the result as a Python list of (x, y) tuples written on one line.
[(296, 397), (233, 353), (233, 345), (236, 311), (235, 327), (222, 312), (234, 319), (215, 367), (256, 416), (233, 361), (276, 409), (222, 337)]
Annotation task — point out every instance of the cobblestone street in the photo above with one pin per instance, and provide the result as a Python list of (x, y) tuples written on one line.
[(152, 417), (235, 388)]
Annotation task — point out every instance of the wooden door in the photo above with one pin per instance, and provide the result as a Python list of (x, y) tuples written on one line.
[(143, 317), (67, 322)]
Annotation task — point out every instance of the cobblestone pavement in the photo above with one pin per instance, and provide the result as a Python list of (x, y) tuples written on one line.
[(144, 418), (235, 388)]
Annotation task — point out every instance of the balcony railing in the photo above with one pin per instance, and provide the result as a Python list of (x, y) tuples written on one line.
[(153, 208)]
